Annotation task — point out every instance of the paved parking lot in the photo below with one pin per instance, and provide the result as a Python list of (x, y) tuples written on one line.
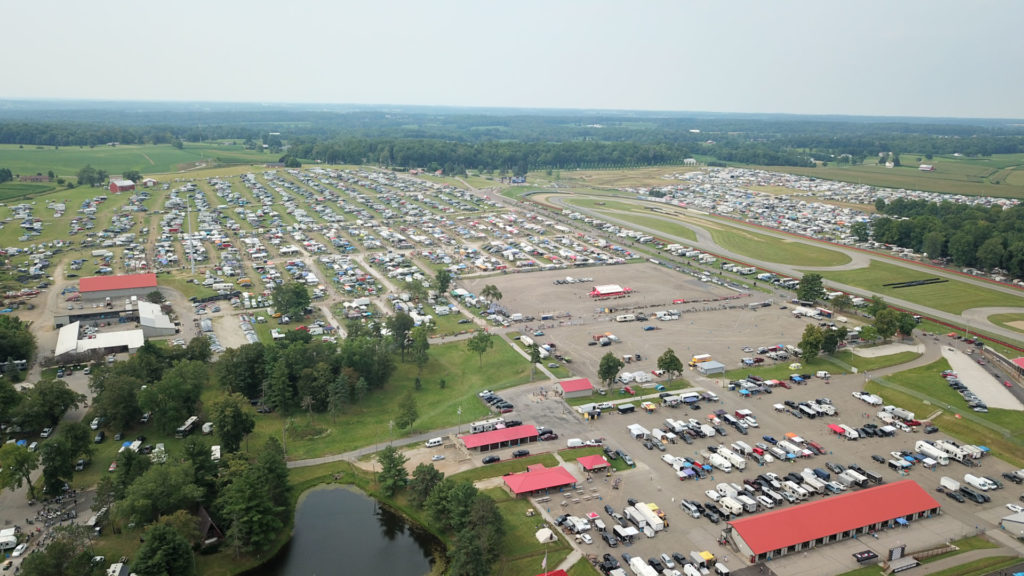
[(653, 481)]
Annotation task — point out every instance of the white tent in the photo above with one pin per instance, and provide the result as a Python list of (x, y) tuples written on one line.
[(545, 535)]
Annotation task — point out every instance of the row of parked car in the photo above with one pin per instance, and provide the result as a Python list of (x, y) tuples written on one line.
[(970, 397), (496, 403)]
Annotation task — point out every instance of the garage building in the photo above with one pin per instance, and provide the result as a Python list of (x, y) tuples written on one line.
[(500, 438), (711, 367), (98, 288), (539, 478), (153, 321), (797, 528), (578, 388)]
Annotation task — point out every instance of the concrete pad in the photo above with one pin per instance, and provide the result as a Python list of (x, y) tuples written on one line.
[(980, 381), (887, 350)]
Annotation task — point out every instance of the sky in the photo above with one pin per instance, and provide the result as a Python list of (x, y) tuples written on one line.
[(937, 58)]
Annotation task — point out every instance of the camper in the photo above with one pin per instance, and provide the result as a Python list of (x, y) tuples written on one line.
[(932, 452), (720, 463), (849, 433), (640, 567), (749, 505), (852, 478), (731, 505)]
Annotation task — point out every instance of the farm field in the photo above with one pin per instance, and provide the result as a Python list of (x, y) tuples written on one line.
[(148, 159), (954, 296), (13, 190), (1001, 175)]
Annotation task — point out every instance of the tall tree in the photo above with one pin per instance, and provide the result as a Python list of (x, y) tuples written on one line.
[(811, 288), (843, 302), (669, 362), (118, 401), (491, 293), (67, 554), (886, 323), (18, 465), (535, 358), (609, 368), (164, 552), (159, 491), (444, 281), (424, 478), (174, 398), (407, 412), (233, 420), (480, 343), (16, 338), (393, 475), (420, 346), (45, 403), (242, 369), (291, 298), (811, 342), (400, 325)]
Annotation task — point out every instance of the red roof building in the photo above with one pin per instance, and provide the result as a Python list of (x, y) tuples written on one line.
[(118, 186), (788, 530), (126, 282), (576, 388), (500, 438), (593, 462), (537, 478)]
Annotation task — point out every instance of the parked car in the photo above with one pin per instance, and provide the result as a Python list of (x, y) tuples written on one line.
[(491, 459), (520, 453)]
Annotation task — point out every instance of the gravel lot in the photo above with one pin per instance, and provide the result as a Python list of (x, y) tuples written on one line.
[(706, 325)]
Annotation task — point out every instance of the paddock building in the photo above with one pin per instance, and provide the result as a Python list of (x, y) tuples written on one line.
[(806, 526), (98, 288), (500, 438)]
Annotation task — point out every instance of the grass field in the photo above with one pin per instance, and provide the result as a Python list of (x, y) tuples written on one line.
[(570, 456), (770, 249), (366, 423), (66, 161), (12, 190), (964, 545), (1000, 175), (954, 296), (652, 176), (922, 391), (1008, 321), (864, 364)]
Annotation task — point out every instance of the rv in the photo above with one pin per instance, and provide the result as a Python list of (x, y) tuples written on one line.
[(932, 452), (187, 428)]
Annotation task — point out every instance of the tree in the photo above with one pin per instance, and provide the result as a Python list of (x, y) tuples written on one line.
[(58, 460), (9, 399), (609, 368), (400, 325), (393, 475), (868, 333), (338, 394), (133, 175), (420, 346), (669, 362), (860, 231), (232, 420), (444, 281), (45, 403), (811, 288), (291, 298), (491, 293), (811, 342), (173, 399), (424, 478), (18, 465), (242, 370), (933, 244), (877, 305), (160, 490), (6, 175), (843, 302), (196, 452), (184, 523), (198, 349), (990, 254), (164, 552), (534, 358), (16, 338), (480, 343), (255, 498), (905, 324), (830, 341), (156, 297), (89, 176), (67, 554), (407, 412), (886, 323), (117, 401)]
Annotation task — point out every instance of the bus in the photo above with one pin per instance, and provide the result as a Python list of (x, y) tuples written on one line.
[(186, 428)]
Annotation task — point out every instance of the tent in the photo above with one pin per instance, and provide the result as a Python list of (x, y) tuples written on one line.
[(545, 535), (902, 521)]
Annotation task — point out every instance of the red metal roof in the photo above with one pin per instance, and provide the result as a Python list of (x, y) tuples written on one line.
[(538, 477), (1018, 362), (836, 428), (498, 436), (593, 461), (576, 385), (99, 283), (786, 527)]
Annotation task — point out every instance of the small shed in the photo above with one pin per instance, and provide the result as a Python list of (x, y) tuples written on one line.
[(593, 463), (1014, 524), (711, 367)]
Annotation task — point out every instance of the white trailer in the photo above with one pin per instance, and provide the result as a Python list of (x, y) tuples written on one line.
[(720, 463), (951, 449), (949, 483), (932, 452), (979, 483), (737, 461), (731, 505), (708, 431), (653, 520), (634, 516), (749, 505), (640, 567)]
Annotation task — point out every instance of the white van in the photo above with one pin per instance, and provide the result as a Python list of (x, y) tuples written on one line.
[(435, 442), (574, 443)]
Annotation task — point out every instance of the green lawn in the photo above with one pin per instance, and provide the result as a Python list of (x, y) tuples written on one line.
[(672, 228), (922, 391), (12, 190), (996, 175), (508, 466), (980, 567), (964, 545), (781, 370), (523, 555), (954, 296), (766, 248), (366, 423), (583, 567), (1004, 320), (866, 364), (66, 161)]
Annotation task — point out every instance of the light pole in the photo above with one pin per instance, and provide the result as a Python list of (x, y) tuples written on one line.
[(459, 429)]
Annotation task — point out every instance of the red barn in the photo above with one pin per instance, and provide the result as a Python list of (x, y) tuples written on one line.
[(118, 186)]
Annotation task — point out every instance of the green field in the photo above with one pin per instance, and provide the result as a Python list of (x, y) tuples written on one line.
[(1007, 320), (675, 229), (770, 249), (954, 296), (922, 391), (867, 364), (12, 190), (366, 423), (1000, 175), (66, 161)]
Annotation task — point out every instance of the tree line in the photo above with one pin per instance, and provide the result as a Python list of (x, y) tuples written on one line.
[(976, 236)]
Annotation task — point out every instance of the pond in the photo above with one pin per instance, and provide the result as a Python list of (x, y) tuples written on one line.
[(339, 530)]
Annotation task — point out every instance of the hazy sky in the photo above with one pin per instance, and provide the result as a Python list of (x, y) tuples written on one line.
[(892, 57)]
